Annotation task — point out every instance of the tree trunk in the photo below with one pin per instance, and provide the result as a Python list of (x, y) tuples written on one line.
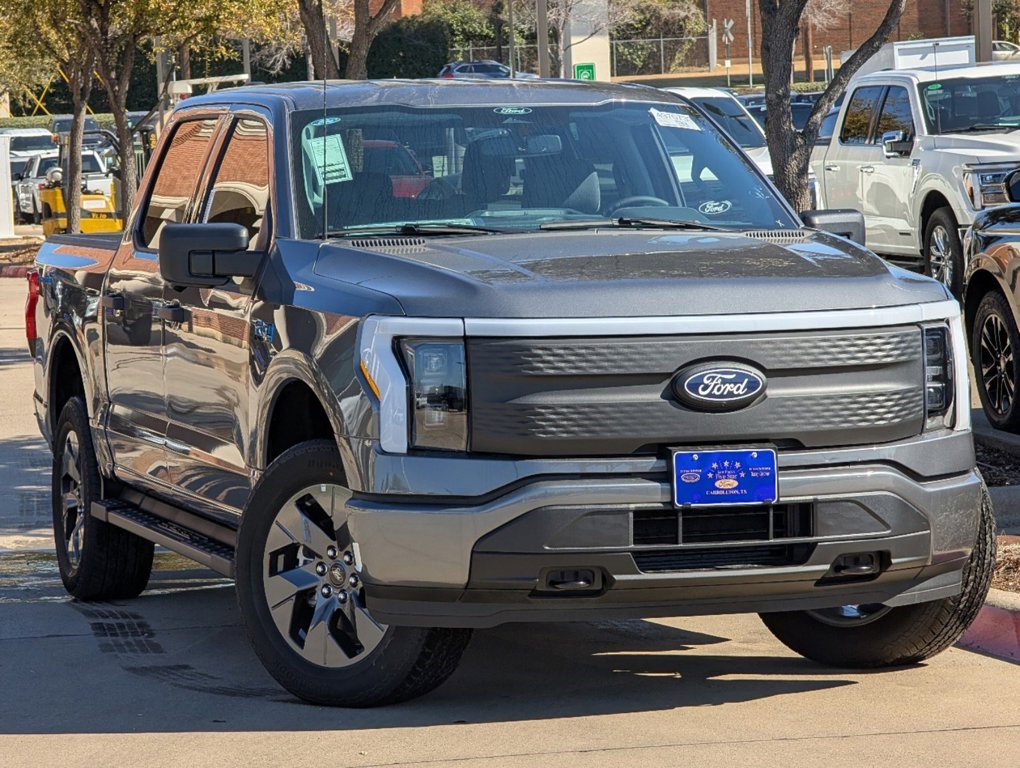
[(79, 76), (185, 60), (313, 19), (790, 149), (366, 27), (116, 72)]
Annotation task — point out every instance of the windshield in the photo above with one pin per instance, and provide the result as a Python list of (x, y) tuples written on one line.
[(91, 164), (31, 143), (44, 165), (19, 166), (741, 127), (518, 168), (971, 104)]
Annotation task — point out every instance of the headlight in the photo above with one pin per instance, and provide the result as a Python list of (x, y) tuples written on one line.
[(938, 377), (985, 184), (438, 397)]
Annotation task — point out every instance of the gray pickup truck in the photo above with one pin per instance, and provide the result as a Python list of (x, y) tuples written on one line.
[(410, 358)]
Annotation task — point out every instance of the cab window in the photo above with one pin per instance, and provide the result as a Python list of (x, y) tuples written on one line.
[(175, 182), (857, 123), (240, 191), (895, 115)]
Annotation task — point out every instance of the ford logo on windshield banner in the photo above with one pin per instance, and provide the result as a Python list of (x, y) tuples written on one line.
[(719, 386)]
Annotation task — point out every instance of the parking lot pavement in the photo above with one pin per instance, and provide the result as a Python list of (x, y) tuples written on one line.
[(169, 680)]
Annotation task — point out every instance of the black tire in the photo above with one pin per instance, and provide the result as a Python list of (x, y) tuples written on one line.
[(97, 561), (994, 346), (36, 215), (942, 251), (896, 636), (403, 662)]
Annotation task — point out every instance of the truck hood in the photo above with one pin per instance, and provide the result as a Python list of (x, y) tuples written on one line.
[(613, 273), (978, 147)]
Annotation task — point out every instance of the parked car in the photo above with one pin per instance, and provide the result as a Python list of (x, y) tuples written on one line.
[(920, 152), (735, 119), (991, 309), (28, 182), (800, 111), (1003, 50), (26, 142), (485, 70), (601, 370)]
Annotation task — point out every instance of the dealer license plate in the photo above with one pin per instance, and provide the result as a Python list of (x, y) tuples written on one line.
[(705, 478)]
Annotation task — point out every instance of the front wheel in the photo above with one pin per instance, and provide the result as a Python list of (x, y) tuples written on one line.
[(303, 604), (868, 636), (942, 251), (994, 345)]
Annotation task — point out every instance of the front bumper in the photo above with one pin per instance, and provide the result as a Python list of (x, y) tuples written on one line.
[(482, 564)]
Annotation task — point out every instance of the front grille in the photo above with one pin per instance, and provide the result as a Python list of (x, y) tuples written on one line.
[(613, 396), (711, 525), (766, 556)]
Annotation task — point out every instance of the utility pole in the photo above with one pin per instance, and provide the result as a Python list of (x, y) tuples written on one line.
[(510, 37), (542, 22), (750, 44), (984, 30)]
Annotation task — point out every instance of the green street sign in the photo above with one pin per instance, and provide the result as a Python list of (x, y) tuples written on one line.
[(584, 71)]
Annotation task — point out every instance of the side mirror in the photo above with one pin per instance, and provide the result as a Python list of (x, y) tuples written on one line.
[(845, 222), (205, 254), (16, 177), (896, 144), (1012, 184)]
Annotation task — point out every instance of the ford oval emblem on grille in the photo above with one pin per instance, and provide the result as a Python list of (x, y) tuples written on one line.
[(719, 386)]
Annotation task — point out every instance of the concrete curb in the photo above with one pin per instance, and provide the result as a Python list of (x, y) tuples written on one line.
[(996, 630)]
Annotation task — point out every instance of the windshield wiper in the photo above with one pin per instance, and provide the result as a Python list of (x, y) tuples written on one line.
[(625, 222), (415, 229), (986, 127)]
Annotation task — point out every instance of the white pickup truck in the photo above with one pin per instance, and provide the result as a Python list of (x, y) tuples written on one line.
[(920, 152)]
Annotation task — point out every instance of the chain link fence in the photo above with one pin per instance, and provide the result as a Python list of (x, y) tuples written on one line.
[(658, 55)]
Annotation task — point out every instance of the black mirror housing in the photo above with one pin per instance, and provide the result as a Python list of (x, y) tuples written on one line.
[(845, 222), (896, 144), (205, 254)]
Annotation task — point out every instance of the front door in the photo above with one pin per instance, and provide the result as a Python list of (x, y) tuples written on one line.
[(133, 311), (207, 345), (890, 184)]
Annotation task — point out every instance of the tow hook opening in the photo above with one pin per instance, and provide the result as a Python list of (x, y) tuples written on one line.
[(570, 582), (856, 566)]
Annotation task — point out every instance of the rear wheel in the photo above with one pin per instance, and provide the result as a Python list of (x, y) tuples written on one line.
[(994, 346), (303, 603), (875, 635), (942, 250), (97, 561)]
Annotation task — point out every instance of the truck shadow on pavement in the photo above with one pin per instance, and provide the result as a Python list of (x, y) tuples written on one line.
[(176, 659)]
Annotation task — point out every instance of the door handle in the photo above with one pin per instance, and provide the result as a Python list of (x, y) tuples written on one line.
[(172, 313), (867, 169), (113, 301), (831, 167)]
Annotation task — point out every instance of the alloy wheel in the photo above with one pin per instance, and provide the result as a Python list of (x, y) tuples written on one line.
[(940, 256), (312, 580), (72, 507), (998, 368)]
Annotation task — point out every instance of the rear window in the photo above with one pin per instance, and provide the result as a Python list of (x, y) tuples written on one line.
[(31, 143)]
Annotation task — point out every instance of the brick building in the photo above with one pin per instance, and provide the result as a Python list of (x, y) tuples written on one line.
[(921, 18)]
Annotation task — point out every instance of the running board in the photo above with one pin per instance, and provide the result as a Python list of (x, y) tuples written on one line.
[(196, 546)]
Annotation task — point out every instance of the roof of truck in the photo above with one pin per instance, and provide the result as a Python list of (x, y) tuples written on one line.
[(927, 75), (468, 93)]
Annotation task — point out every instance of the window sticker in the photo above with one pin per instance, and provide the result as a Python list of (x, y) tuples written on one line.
[(329, 158), (674, 120)]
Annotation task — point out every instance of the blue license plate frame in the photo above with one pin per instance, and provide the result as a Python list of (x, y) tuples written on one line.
[(724, 477)]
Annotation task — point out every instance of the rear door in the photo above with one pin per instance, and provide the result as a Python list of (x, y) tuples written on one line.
[(207, 345), (133, 311), (851, 154)]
